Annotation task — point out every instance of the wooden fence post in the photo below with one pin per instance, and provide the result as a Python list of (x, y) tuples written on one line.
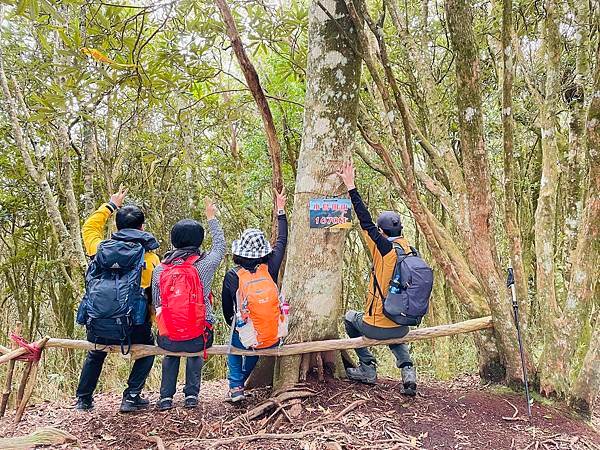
[(30, 382), (9, 374)]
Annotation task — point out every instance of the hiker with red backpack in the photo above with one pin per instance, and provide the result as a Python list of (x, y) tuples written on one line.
[(181, 294), (251, 301), (399, 290), (115, 306)]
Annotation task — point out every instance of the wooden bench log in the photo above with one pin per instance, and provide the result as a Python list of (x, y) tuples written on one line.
[(417, 334)]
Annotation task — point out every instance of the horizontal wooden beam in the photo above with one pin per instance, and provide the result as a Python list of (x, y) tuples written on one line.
[(417, 334)]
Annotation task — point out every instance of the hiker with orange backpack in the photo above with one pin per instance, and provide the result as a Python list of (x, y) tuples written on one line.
[(181, 294), (251, 301)]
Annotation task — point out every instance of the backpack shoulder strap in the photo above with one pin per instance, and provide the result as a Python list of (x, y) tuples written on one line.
[(192, 259), (263, 269), (376, 283), (401, 252)]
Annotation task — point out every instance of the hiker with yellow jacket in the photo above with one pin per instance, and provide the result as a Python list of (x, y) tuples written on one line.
[(372, 323), (115, 307)]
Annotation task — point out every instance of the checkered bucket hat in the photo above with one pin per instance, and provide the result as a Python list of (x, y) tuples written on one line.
[(252, 245)]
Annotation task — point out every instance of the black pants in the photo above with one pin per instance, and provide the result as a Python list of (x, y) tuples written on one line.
[(92, 367), (193, 365)]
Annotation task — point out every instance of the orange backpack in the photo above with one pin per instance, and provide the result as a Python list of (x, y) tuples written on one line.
[(258, 303)]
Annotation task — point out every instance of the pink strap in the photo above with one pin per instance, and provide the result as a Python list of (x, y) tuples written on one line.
[(34, 353)]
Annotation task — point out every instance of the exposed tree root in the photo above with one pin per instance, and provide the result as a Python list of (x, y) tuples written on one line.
[(273, 402), (268, 436)]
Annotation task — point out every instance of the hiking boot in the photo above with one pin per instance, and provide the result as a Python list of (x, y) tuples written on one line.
[(133, 403), (164, 404), (191, 401), (409, 380), (235, 395), (365, 373), (84, 404)]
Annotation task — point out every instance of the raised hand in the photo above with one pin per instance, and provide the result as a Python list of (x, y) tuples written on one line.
[(280, 200), (118, 197), (347, 174), (210, 208)]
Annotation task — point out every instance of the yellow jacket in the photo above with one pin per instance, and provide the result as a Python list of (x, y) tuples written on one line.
[(93, 232), (383, 267)]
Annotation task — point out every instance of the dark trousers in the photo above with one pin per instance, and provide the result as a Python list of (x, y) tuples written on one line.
[(356, 327), (92, 367), (193, 365)]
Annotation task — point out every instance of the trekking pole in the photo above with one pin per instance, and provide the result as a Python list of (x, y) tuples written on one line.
[(510, 283)]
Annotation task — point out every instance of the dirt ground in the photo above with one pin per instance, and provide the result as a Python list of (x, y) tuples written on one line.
[(334, 415)]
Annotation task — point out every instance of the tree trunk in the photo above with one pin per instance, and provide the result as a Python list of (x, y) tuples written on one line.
[(575, 170), (313, 279), (586, 389), (88, 159), (510, 213), (584, 277), (482, 248), (69, 252), (553, 365)]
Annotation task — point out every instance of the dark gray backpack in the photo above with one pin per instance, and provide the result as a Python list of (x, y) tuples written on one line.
[(410, 288)]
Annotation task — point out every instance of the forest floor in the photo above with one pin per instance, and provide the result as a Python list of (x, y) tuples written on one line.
[(334, 415)]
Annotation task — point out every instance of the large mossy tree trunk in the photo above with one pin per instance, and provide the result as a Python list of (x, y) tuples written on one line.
[(313, 278), (482, 245)]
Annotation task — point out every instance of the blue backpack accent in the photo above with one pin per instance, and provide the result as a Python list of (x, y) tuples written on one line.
[(114, 300), (410, 288)]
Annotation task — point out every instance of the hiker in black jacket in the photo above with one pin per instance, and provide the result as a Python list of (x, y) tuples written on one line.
[(250, 251), (380, 238)]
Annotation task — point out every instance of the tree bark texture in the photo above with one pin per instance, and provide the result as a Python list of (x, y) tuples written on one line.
[(482, 249), (553, 364), (313, 278), (511, 225), (582, 296)]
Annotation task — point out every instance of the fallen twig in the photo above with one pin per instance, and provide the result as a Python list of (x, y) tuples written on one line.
[(348, 408), (43, 436)]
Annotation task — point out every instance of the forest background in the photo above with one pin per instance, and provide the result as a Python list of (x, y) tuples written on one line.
[(496, 163)]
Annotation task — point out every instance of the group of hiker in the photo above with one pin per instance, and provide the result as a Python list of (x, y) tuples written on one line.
[(128, 288)]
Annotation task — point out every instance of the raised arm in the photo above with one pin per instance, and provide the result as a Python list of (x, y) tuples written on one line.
[(92, 231), (282, 235), (217, 251), (230, 287), (362, 213)]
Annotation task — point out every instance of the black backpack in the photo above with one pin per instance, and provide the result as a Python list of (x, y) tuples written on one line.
[(114, 300), (410, 288)]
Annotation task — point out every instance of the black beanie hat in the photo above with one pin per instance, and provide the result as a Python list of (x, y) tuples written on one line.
[(187, 233)]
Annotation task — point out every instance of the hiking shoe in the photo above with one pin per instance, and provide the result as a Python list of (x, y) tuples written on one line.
[(365, 373), (164, 404), (191, 401), (235, 395), (84, 404), (409, 380), (133, 403)]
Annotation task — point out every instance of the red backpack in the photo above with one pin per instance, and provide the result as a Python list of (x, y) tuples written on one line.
[(183, 312)]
